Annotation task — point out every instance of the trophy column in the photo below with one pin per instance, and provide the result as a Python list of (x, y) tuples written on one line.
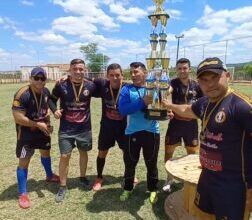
[(157, 81)]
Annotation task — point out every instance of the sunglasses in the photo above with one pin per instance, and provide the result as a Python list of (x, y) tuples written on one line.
[(37, 78)]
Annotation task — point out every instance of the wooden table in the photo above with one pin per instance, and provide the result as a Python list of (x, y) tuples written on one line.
[(180, 204)]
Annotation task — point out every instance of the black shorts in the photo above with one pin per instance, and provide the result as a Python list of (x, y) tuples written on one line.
[(178, 129), (26, 148), (222, 195), (111, 133)]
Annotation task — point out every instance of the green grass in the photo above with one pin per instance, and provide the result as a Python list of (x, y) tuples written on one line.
[(79, 204)]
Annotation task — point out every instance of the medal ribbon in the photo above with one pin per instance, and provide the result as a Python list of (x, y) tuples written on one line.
[(115, 100), (38, 105), (77, 96), (207, 117)]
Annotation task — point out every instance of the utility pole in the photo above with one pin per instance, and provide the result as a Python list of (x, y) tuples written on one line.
[(226, 52), (178, 37)]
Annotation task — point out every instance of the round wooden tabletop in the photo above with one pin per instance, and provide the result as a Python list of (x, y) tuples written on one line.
[(185, 169)]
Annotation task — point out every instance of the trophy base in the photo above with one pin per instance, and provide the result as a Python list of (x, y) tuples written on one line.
[(156, 114)]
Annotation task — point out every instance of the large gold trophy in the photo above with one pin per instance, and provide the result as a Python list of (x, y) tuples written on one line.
[(157, 81)]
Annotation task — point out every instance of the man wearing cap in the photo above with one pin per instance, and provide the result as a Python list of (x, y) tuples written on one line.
[(30, 112), (184, 90), (225, 184), (75, 122)]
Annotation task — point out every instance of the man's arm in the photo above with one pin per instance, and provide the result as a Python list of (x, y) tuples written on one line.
[(182, 110), (21, 119), (126, 107), (52, 102)]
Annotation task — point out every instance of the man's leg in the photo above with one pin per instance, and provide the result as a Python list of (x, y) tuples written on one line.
[(131, 156), (63, 172), (100, 163), (47, 164), (150, 143), (24, 152), (169, 150), (22, 173)]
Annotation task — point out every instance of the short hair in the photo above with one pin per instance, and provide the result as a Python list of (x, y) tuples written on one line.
[(114, 66), (77, 61), (137, 64), (183, 60)]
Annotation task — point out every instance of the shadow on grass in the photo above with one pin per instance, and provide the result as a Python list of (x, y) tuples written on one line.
[(107, 200), (11, 193)]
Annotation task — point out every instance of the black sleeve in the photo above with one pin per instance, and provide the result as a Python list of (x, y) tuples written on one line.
[(199, 106), (99, 84), (53, 98)]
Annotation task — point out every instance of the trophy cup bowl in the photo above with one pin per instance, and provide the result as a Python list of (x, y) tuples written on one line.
[(150, 63), (154, 20), (163, 19), (154, 44), (165, 63), (162, 44)]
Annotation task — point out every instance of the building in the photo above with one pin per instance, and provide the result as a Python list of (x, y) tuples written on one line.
[(54, 71)]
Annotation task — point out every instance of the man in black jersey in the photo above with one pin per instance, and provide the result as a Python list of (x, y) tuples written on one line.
[(184, 90), (30, 111), (225, 184), (112, 123), (75, 123)]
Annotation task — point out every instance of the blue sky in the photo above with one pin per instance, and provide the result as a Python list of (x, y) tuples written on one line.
[(36, 32)]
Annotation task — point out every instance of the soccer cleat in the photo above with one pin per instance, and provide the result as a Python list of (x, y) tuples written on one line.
[(24, 201), (54, 179), (167, 186), (85, 183), (153, 197), (125, 195), (61, 194), (98, 184)]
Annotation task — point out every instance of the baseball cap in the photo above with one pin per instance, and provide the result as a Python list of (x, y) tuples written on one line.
[(212, 64), (38, 71)]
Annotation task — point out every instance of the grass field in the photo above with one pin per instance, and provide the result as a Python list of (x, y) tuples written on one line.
[(79, 204)]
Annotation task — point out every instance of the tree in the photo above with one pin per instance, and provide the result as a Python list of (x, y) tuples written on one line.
[(96, 61)]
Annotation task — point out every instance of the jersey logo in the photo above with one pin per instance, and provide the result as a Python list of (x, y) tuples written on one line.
[(16, 103), (220, 117), (85, 92)]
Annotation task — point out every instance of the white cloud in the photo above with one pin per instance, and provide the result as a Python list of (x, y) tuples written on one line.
[(27, 3), (47, 37), (130, 15), (88, 9)]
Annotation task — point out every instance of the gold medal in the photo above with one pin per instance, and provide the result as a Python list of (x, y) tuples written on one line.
[(115, 100), (207, 117), (38, 105), (77, 96)]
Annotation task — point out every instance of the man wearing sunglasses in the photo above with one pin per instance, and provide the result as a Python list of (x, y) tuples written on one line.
[(30, 112), (75, 122)]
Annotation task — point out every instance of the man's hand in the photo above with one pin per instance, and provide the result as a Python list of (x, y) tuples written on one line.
[(148, 99), (63, 78), (43, 127), (170, 114), (166, 103), (58, 113), (249, 199)]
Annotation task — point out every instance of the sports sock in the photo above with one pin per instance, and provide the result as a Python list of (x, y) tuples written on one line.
[(46, 162), (22, 180), (100, 162)]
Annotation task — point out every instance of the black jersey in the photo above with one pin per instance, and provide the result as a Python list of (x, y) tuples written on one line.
[(35, 108), (76, 110), (110, 112), (226, 139), (185, 94)]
